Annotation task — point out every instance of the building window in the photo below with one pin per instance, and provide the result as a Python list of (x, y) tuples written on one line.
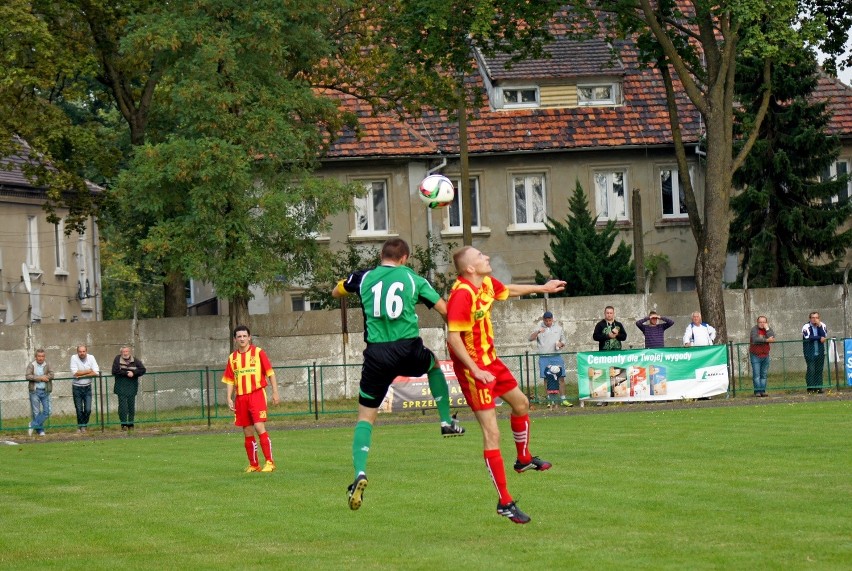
[(59, 241), (834, 171), (32, 242), (528, 199), (683, 283), (519, 97), (671, 194), (611, 195), (371, 211), (454, 210), (302, 303), (597, 94)]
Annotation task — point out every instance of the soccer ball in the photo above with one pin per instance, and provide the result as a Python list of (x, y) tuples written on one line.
[(436, 191)]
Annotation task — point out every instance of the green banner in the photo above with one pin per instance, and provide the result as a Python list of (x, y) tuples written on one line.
[(653, 374)]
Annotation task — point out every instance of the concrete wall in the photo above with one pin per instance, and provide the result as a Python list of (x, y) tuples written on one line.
[(300, 339)]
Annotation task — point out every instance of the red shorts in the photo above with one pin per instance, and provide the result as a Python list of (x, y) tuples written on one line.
[(479, 395), (250, 408)]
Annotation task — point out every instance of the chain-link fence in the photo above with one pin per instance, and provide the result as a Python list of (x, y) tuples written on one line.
[(199, 396)]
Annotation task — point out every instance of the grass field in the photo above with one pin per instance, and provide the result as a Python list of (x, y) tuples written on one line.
[(744, 487)]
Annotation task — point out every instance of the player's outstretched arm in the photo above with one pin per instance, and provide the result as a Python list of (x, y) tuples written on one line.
[(553, 286)]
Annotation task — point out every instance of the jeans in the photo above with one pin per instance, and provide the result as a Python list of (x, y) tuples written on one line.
[(40, 406), (83, 403), (813, 376), (759, 370)]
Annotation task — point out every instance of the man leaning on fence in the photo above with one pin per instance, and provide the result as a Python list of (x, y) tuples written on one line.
[(84, 367), (550, 339), (814, 335), (40, 376)]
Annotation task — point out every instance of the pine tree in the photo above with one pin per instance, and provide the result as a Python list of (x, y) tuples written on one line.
[(785, 224), (583, 255)]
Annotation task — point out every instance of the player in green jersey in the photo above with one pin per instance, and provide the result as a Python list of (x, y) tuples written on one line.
[(388, 295)]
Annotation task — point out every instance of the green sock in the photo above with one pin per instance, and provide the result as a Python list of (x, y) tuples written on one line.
[(361, 446), (441, 393)]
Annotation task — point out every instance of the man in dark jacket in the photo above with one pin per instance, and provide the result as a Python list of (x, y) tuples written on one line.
[(127, 369), (609, 333)]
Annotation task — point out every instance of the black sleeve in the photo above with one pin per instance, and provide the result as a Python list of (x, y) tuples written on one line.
[(622, 332), (352, 284), (598, 335), (116, 367), (140, 368)]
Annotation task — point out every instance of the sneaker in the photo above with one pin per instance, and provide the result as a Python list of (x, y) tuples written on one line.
[(268, 467), (535, 463), (452, 429), (42, 433), (252, 468), (513, 512), (356, 492), (30, 430), (567, 403)]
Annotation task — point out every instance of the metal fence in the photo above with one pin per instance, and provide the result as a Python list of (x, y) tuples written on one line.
[(198, 396)]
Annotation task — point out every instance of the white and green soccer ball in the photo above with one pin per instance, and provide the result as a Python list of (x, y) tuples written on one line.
[(436, 191)]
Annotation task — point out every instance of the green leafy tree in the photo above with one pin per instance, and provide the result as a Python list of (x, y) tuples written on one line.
[(695, 45), (330, 267), (583, 255), (785, 226)]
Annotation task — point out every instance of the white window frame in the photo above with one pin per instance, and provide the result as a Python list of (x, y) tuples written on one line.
[(609, 205), (455, 209), (32, 243), (519, 91), (833, 172), (61, 257), (677, 204), (536, 220), (365, 210), (594, 99)]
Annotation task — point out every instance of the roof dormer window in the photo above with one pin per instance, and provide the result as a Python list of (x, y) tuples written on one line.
[(598, 94), (519, 97)]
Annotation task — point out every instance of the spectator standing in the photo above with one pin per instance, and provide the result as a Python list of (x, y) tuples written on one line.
[(550, 339), (84, 368), (758, 352), (698, 333), (248, 372), (814, 335), (126, 369), (653, 328), (482, 375), (40, 376), (609, 333)]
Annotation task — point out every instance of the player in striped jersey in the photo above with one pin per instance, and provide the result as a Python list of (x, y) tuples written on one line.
[(482, 376), (248, 373)]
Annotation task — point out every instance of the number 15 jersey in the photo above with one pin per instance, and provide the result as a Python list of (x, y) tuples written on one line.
[(388, 297)]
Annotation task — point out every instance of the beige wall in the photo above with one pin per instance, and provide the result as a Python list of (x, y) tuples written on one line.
[(54, 289)]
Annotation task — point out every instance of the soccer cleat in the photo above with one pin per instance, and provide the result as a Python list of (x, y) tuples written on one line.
[(452, 429), (535, 463), (513, 512), (356, 492), (252, 468), (268, 467)]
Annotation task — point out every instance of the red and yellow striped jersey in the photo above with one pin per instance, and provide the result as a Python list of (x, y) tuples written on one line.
[(247, 371), (469, 312)]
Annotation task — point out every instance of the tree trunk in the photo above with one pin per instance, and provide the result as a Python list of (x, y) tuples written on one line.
[(238, 312), (174, 288)]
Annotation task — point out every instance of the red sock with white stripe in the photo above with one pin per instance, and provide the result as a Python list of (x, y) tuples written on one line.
[(494, 463), (521, 432), (266, 446), (251, 450)]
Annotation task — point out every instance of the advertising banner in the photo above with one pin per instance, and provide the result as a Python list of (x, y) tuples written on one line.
[(412, 393), (652, 374), (847, 359)]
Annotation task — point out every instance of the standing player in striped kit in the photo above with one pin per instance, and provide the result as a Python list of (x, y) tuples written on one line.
[(249, 372), (482, 376)]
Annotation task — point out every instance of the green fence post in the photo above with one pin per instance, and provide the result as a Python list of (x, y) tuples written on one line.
[(207, 380), (316, 397)]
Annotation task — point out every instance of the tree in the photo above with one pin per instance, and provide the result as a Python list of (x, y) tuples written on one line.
[(694, 45), (786, 226), (583, 254)]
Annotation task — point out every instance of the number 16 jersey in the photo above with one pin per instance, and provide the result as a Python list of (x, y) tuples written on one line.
[(388, 297)]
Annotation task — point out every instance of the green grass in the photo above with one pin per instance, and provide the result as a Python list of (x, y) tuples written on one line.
[(745, 487)]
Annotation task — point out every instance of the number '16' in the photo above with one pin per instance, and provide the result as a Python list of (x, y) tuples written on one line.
[(393, 301)]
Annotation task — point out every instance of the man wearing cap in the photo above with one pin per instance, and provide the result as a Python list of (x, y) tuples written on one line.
[(550, 339), (653, 328)]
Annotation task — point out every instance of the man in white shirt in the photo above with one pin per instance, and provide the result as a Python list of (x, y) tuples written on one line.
[(84, 368), (698, 333)]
